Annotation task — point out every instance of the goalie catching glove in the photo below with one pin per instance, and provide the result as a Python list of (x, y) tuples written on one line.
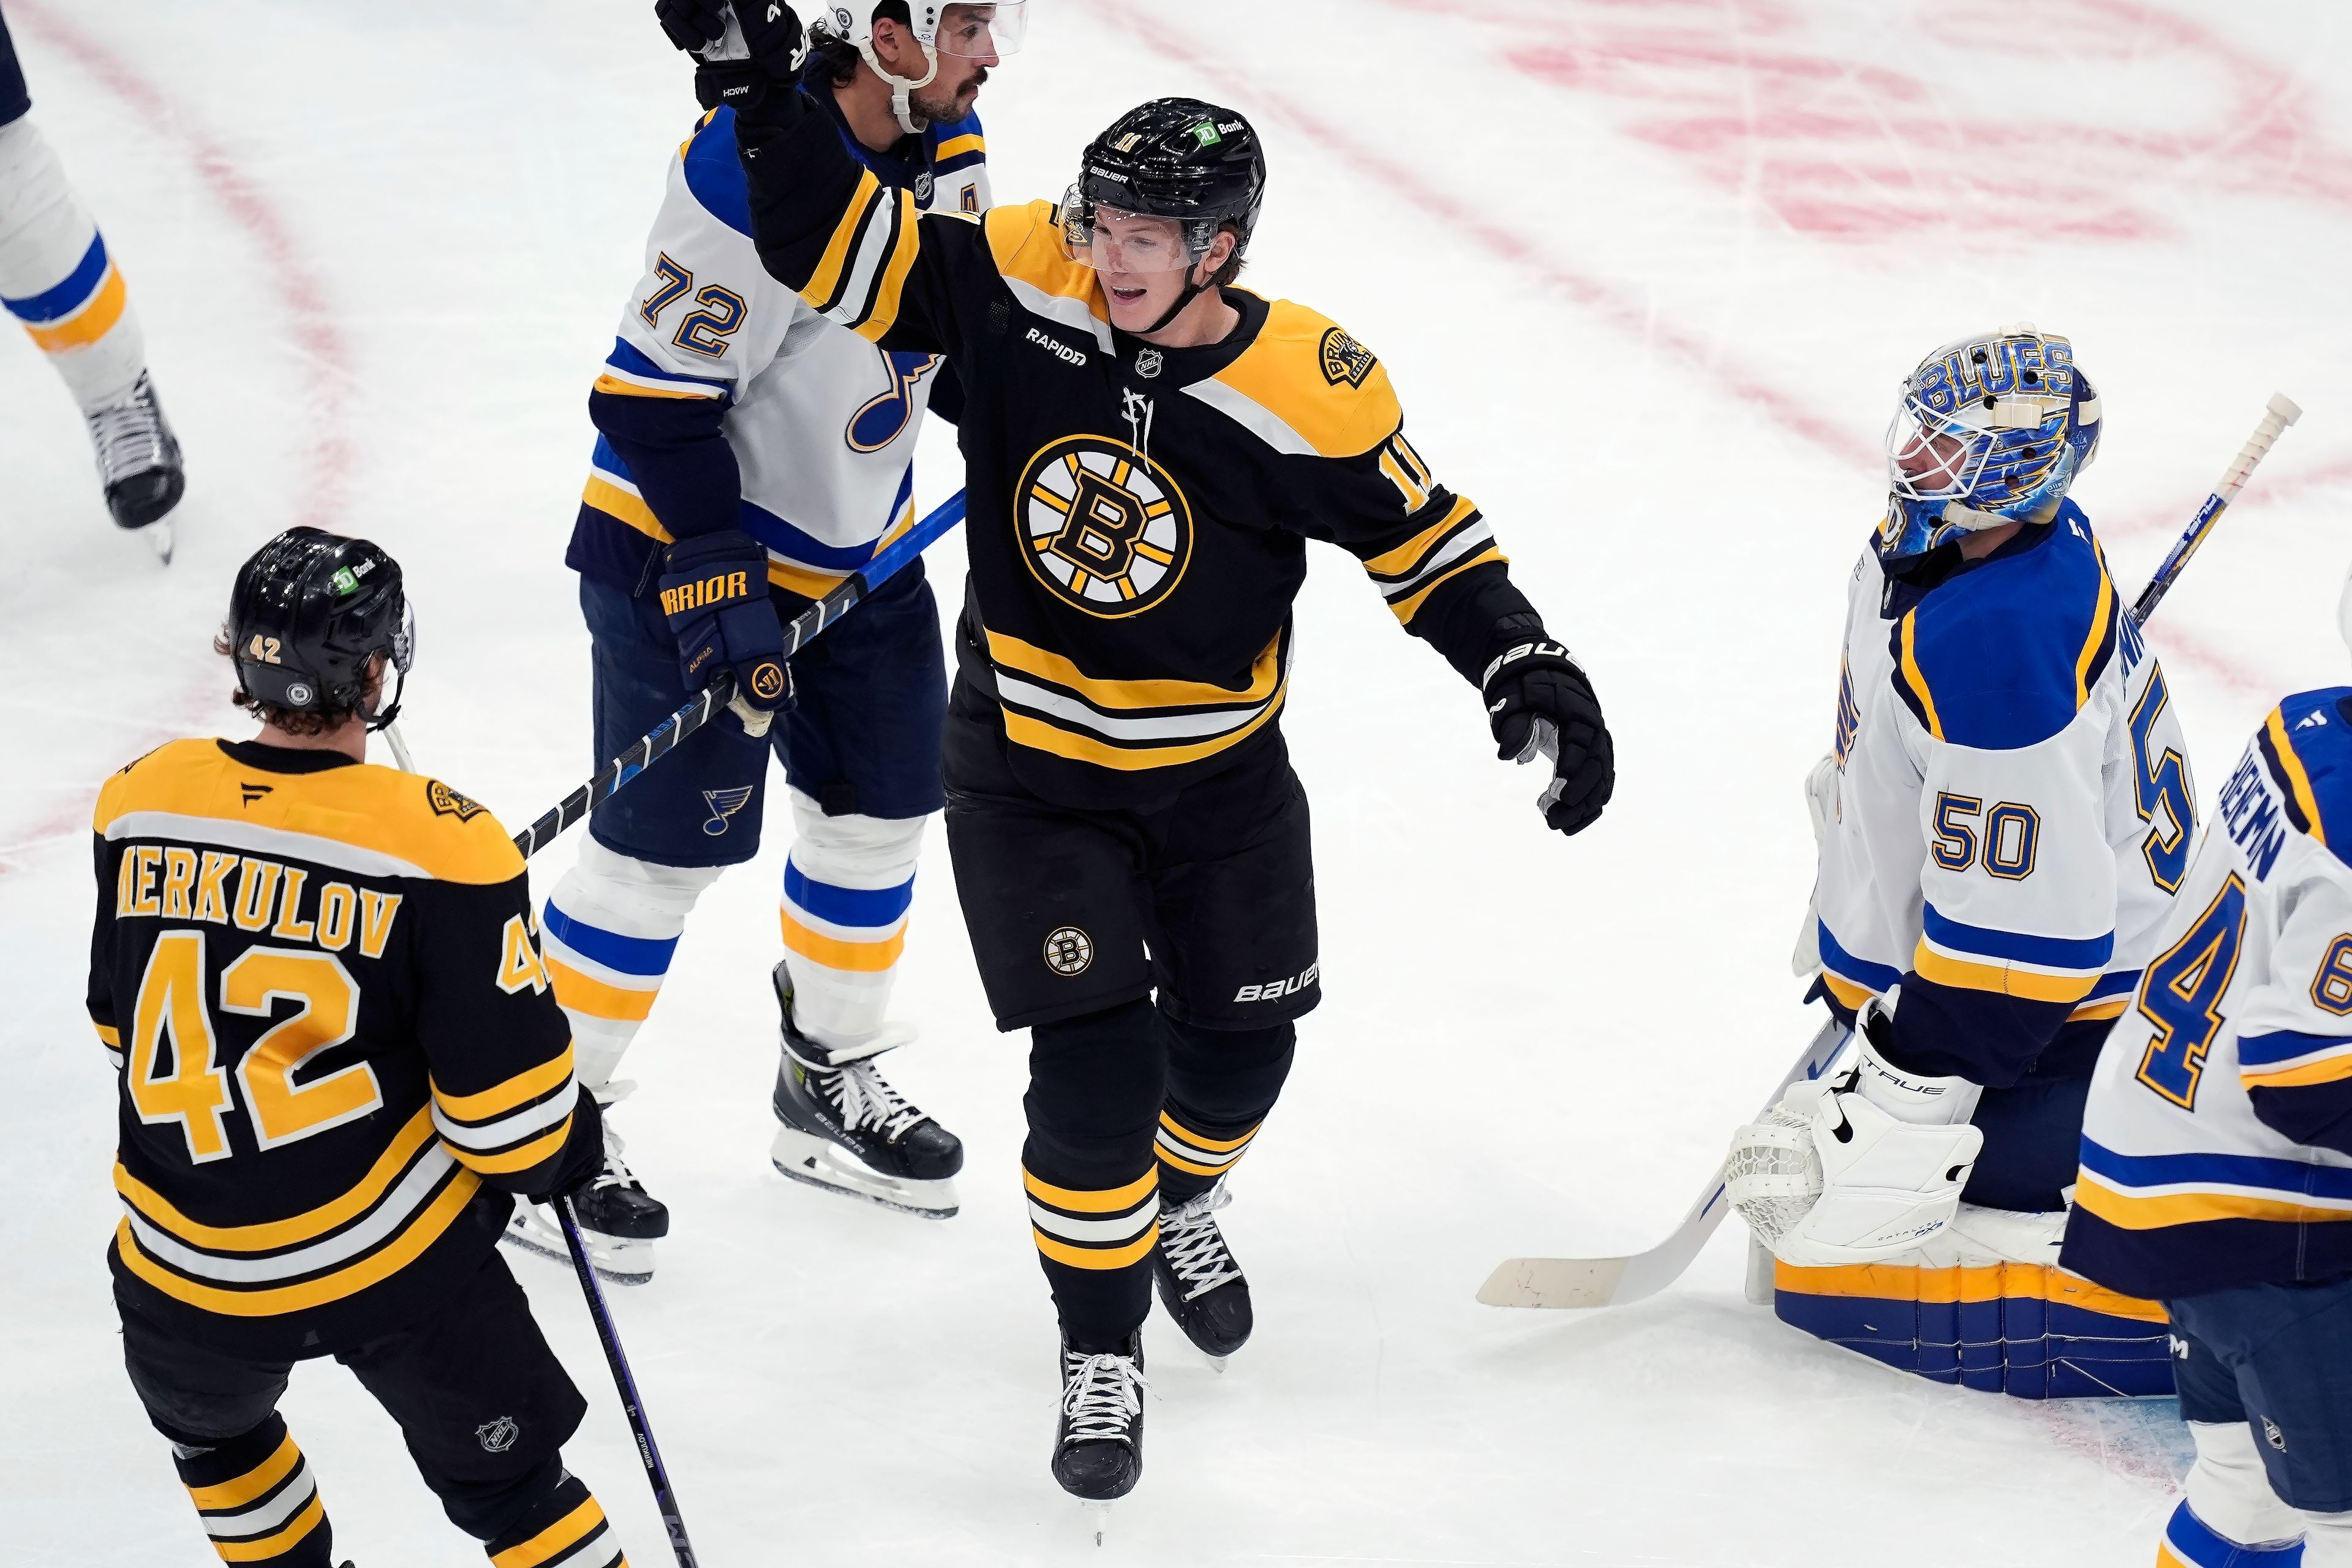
[(1858, 1168), (714, 596)]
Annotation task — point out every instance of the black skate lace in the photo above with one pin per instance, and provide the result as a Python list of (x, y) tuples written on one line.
[(1101, 1395), (1194, 1247), (129, 435), (864, 1098)]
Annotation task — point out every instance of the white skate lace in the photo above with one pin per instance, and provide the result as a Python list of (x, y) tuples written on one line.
[(129, 435), (1101, 1395), (616, 1171), (1195, 1249), (866, 1099)]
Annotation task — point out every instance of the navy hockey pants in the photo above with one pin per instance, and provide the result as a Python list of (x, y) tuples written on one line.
[(2279, 1358), (15, 102)]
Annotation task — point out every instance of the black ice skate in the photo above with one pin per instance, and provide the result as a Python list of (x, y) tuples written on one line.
[(619, 1220), (139, 463), (1199, 1282), (1098, 1435), (842, 1126)]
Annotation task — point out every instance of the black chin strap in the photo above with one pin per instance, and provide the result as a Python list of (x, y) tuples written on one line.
[(390, 710), (1192, 292)]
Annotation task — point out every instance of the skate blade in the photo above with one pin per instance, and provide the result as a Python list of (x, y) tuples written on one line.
[(1097, 1518), (1216, 1362), (820, 1162), (626, 1263), (162, 539)]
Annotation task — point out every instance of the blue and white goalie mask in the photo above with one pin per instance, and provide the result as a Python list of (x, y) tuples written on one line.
[(1991, 429)]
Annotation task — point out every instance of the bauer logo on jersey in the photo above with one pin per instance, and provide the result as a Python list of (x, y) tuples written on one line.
[(724, 804), (1345, 360), (448, 802), (1106, 527)]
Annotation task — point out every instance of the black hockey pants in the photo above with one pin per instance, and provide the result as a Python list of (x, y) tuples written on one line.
[(483, 1402)]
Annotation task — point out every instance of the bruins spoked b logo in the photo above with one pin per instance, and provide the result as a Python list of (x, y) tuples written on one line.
[(1105, 528), (1069, 951)]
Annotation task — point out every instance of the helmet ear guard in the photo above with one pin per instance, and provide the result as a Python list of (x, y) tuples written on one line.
[(996, 29)]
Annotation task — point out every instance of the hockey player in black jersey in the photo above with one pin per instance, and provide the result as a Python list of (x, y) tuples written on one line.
[(322, 990), (1149, 449)]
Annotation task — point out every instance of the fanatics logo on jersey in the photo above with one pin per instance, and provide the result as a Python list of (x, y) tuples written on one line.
[(496, 1436), (1069, 952), (1345, 359), (1107, 529), (448, 802)]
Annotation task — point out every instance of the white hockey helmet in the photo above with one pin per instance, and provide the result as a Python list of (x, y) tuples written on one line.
[(970, 31)]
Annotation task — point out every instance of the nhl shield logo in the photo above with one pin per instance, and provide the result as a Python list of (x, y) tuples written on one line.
[(1345, 360), (723, 803), (1148, 364), (496, 1436), (923, 188), (1069, 952)]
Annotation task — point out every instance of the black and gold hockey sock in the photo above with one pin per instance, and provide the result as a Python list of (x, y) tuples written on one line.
[(566, 1530), (1095, 1245), (1195, 1153), (257, 1500)]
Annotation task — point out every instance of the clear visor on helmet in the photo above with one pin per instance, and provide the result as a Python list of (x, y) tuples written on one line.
[(983, 32), (1937, 456), (1110, 239), (403, 641)]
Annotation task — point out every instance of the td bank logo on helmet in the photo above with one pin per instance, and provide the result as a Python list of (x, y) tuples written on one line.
[(716, 589)]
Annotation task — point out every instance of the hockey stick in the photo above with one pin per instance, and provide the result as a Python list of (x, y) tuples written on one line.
[(656, 1474), (2282, 413), (1611, 1281), (664, 736)]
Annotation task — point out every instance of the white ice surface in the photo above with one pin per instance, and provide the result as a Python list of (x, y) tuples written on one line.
[(1646, 274)]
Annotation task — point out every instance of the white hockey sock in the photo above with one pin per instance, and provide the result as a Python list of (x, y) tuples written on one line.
[(2230, 1517), (2327, 1540), (56, 278), (847, 885), (611, 928)]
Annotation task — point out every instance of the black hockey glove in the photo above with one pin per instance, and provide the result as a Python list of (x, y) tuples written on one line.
[(774, 47), (582, 1158), (1538, 701), (716, 596)]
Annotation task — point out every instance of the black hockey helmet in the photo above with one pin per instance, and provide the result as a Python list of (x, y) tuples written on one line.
[(1175, 158), (310, 610)]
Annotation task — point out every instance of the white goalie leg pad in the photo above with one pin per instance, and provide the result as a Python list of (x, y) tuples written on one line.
[(609, 929), (55, 269), (2327, 1540), (2231, 1494), (1833, 1176), (848, 884)]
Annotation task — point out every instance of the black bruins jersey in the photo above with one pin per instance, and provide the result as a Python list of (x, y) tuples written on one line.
[(319, 983), (1138, 515)]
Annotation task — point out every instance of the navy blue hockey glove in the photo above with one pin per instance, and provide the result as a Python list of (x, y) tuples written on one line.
[(716, 596), (582, 1158), (1539, 703), (767, 46)]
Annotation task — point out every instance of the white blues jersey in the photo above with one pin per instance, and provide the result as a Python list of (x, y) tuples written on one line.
[(2013, 808), (2217, 1148), (820, 424)]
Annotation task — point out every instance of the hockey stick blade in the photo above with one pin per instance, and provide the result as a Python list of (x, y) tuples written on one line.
[(1578, 1282), (2281, 412), (656, 743)]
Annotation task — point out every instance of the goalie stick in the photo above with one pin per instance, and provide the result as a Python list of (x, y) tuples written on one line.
[(1612, 1281), (664, 736)]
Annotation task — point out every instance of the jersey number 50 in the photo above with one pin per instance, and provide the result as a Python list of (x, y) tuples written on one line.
[(189, 1087)]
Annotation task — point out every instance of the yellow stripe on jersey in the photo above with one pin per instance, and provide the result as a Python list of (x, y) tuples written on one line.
[(1011, 653), (1917, 682), (108, 1036), (624, 507), (516, 1091), (272, 1235), (893, 272), (2113, 1008), (2091, 644), (1040, 736), (957, 147), (1287, 372), (376, 810), (1851, 994), (2328, 1070), (2298, 779), (827, 279), (376, 1268), (615, 386), (89, 325), (2002, 980), (1405, 609), (2130, 1211), (1400, 561), (1026, 243)]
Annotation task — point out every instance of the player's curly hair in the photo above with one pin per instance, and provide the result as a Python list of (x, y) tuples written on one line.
[(293, 721)]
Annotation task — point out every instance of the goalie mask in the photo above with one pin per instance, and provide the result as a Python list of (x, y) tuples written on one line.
[(963, 31), (1991, 429)]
